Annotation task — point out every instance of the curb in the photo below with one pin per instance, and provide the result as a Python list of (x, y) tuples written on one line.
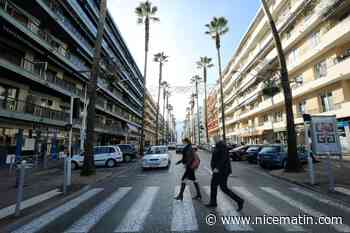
[(310, 188)]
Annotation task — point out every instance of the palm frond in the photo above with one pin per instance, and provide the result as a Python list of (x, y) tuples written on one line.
[(140, 20), (155, 19), (154, 10)]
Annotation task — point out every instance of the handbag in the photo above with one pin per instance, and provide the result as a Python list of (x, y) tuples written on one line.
[(196, 161)]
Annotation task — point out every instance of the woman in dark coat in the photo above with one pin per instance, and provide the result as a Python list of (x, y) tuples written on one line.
[(221, 167), (189, 174)]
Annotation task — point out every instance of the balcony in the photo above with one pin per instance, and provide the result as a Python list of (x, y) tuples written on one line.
[(24, 110)]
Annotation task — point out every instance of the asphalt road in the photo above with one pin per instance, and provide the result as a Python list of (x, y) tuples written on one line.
[(143, 201)]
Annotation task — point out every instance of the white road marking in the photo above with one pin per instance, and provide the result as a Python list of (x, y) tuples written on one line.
[(342, 190), (266, 208), (321, 199), (306, 209), (89, 220), (184, 216), (226, 208), (208, 170), (136, 216), (42, 221), (7, 211)]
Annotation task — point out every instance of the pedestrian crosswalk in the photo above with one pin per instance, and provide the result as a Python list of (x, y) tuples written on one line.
[(186, 215)]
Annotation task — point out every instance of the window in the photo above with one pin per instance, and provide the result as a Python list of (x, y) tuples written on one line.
[(301, 107), (327, 102), (320, 69), (293, 56), (315, 39), (278, 116)]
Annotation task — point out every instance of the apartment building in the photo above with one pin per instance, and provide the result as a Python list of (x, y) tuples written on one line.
[(150, 121), (46, 53), (316, 40), (213, 114)]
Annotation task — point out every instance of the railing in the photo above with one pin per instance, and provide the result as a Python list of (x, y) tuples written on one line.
[(34, 27), (20, 106)]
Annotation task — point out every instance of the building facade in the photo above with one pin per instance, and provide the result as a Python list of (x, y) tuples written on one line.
[(213, 119), (316, 41), (150, 120), (46, 53)]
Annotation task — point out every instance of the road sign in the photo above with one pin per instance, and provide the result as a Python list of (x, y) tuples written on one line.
[(325, 138)]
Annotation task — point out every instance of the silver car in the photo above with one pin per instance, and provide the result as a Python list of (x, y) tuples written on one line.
[(156, 157)]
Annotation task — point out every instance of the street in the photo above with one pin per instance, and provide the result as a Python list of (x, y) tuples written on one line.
[(143, 201)]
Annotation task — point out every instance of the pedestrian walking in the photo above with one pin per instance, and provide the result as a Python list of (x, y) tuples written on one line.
[(190, 160), (221, 167)]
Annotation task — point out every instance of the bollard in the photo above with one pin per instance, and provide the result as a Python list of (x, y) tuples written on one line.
[(20, 188), (65, 171)]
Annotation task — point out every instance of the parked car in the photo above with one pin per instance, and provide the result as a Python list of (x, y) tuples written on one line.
[(275, 155), (238, 153), (231, 146), (156, 157), (179, 148), (107, 156), (171, 146), (129, 152), (252, 153)]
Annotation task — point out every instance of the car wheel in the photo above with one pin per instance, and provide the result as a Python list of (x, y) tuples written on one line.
[(74, 165), (127, 158), (110, 163), (284, 164)]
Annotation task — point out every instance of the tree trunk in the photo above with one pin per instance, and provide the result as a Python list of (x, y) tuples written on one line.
[(205, 103), (164, 96), (198, 123), (293, 160), (157, 116), (89, 164), (167, 121), (142, 138), (221, 90)]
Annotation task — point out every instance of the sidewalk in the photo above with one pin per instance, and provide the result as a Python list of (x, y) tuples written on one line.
[(42, 186), (341, 172)]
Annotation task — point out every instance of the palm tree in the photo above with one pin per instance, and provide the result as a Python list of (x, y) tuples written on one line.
[(205, 63), (216, 28), (293, 163), (196, 79), (145, 13), (89, 165), (161, 58), (165, 87)]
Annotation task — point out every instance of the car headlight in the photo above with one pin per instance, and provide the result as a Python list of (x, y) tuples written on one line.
[(164, 159)]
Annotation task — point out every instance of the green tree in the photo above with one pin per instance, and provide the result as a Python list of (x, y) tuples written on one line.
[(293, 163), (217, 28), (89, 164), (196, 79), (205, 63), (145, 13), (161, 58)]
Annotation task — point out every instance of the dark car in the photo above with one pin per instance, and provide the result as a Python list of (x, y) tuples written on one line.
[(237, 153), (129, 152), (231, 146), (179, 148), (252, 153), (275, 155)]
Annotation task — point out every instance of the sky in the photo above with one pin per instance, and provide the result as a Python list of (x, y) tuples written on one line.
[(180, 35)]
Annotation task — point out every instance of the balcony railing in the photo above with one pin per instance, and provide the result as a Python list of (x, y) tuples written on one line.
[(20, 106)]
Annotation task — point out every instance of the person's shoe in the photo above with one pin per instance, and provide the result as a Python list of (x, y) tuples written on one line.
[(211, 205), (240, 206), (179, 198), (198, 197)]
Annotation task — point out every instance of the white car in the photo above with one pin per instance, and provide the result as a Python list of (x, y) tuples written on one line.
[(107, 156), (156, 157)]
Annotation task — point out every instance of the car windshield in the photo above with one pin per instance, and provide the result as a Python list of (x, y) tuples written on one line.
[(253, 148), (157, 150), (271, 149)]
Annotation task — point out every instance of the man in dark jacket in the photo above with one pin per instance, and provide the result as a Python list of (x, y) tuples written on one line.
[(221, 167)]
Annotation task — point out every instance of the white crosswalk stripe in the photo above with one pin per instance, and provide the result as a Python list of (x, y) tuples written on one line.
[(226, 208), (42, 221), (137, 213), (88, 221), (265, 207), (306, 209), (321, 199), (184, 216)]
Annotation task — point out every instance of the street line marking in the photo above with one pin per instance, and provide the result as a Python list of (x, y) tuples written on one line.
[(7, 211), (342, 190), (42, 221), (306, 209), (136, 216), (208, 170), (184, 216), (90, 219), (226, 208), (266, 208), (321, 199)]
